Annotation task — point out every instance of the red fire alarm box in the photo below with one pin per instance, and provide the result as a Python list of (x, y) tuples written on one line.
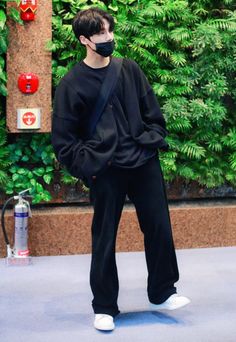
[(28, 83), (28, 9)]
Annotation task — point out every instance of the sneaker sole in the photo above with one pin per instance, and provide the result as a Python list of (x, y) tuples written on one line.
[(167, 307), (104, 329)]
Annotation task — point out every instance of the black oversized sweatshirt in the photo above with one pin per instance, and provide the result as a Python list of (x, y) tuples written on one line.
[(129, 132)]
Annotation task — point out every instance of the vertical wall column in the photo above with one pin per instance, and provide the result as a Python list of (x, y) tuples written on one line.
[(27, 53)]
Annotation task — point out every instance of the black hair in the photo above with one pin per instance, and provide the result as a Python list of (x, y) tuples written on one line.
[(90, 21)]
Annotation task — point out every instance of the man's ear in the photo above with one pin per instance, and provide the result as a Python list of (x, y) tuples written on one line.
[(83, 40)]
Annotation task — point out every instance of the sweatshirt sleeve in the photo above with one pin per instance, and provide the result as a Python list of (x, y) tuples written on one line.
[(65, 126), (150, 109)]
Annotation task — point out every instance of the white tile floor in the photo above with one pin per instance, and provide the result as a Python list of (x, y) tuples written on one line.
[(50, 300)]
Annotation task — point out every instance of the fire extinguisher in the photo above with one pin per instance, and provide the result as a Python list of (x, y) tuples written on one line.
[(22, 212)]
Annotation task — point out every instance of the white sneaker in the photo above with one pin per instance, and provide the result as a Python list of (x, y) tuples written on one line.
[(172, 303), (104, 322)]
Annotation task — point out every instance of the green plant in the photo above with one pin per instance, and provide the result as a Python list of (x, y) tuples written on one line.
[(4, 156), (14, 14), (187, 50), (33, 166), (5, 161), (3, 49)]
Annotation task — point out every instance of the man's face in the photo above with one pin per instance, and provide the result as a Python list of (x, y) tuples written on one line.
[(103, 36)]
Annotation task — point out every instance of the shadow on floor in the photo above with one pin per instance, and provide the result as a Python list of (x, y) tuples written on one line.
[(145, 317)]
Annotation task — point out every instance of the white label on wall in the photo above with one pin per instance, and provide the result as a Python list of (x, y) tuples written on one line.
[(28, 118)]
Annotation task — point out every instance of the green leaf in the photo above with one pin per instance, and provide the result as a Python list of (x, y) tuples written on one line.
[(66, 55), (47, 179), (33, 182), (18, 152), (22, 171), (15, 177), (30, 175), (13, 169), (192, 150), (39, 187), (2, 19), (3, 89), (9, 191), (113, 8), (25, 158), (39, 171), (37, 199), (15, 15)]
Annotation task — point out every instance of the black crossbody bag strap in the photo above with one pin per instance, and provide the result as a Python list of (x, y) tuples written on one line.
[(107, 88)]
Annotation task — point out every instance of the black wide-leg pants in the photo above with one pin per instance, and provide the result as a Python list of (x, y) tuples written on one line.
[(145, 187)]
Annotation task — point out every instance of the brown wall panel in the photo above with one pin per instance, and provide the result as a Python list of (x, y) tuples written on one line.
[(27, 53), (61, 231)]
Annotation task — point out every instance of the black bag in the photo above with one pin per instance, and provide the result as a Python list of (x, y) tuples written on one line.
[(99, 145), (108, 86)]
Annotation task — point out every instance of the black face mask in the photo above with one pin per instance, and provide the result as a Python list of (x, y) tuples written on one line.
[(105, 49)]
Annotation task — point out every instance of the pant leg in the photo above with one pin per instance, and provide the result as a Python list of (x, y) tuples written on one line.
[(147, 192), (107, 194)]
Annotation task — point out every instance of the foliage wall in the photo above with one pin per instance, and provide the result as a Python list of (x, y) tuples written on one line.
[(187, 49)]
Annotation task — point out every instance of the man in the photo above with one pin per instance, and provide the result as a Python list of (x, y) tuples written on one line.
[(120, 159)]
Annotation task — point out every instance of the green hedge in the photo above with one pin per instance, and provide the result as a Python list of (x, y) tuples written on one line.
[(187, 49)]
